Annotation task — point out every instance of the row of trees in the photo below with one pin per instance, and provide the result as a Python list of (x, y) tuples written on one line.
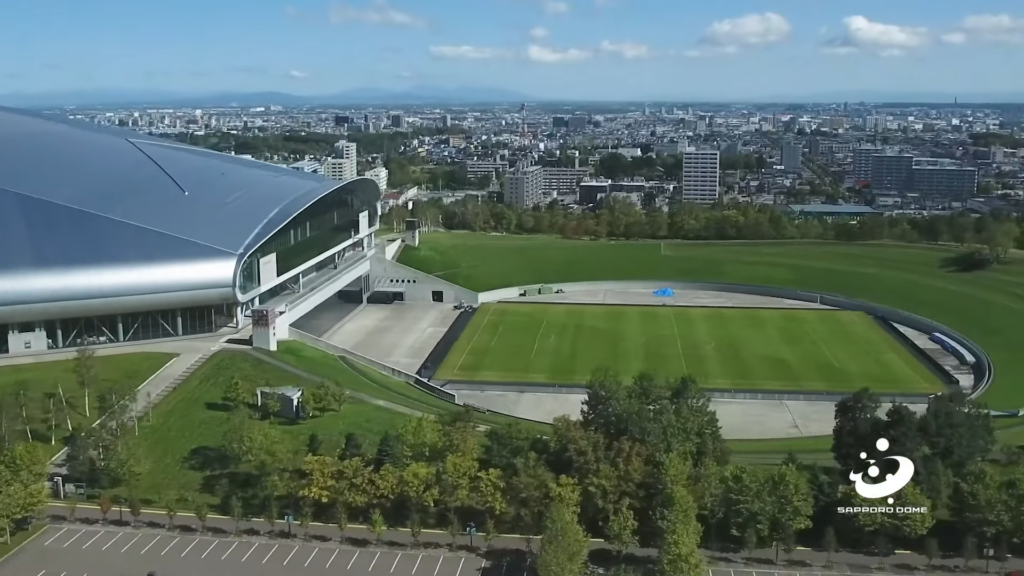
[(620, 219)]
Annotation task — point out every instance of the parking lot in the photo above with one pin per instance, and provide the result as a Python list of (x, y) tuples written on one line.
[(80, 551)]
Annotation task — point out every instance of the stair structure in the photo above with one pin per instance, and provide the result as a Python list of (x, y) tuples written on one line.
[(147, 403)]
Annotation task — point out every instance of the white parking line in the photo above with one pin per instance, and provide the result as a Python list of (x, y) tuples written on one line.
[(189, 547), (332, 559), (112, 541), (417, 564), (55, 537), (310, 557), (102, 532), (271, 554), (374, 562), (290, 556), (459, 571), (169, 546), (208, 550), (250, 551), (439, 560), (41, 573), (396, 562), (72, 539), (230, 549), (150, 544), (130, 543), (352, 560)]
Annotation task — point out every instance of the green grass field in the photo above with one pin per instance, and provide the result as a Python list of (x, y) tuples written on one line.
[(724, 348), (986, 306), (41, 379)]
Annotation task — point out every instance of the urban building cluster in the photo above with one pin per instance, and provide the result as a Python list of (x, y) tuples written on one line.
[(838, 159)]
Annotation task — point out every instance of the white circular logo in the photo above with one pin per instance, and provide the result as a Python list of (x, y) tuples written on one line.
[(892, 484)]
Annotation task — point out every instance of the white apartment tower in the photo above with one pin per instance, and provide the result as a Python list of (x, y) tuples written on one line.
[(699, 179), (380, 176), (791, 155), (524, 187), (343, 166)]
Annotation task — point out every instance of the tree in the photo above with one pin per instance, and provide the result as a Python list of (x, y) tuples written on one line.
[(314, 444), (23, 469), (790, 504), (171, 509), (678, 552), (341, 519), (84, 368), (970, 551), (981, 505), (305, 517), (270, 512), (564, 547), (931, 549), (622, 527), (236, 511), (238, 394), (135, 509), (788, 543), (72, 503), (105, 507), (319, 481), (377, 524), (202, 511), (271, 406), (353, 447), (857, 428), (750, 540), (389, 450), (904, 526), (829, 544)]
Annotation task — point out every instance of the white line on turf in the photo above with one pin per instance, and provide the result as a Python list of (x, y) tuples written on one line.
[(331, 560), (72, 539), (498, 333), (417, 564), (170, 545), (473, 341), (396, 561), (93, 539), (374, 562), (271, 554), (537, 341), (208, 550), (55, 537), (150, 544), (189, 547), (349, 567), (679, 343), (130, 543), (310, 557), (112, 541), (290, 556), (439, 560), (232, 548)]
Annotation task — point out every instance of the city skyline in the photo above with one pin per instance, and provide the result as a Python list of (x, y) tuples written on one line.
[(550, 49)]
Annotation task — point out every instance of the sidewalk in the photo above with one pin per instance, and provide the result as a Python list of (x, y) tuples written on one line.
[(762, 561)]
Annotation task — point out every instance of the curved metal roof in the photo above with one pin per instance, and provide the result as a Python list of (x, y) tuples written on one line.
[(94, 203)]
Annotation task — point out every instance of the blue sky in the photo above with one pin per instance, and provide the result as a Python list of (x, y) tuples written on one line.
[(597, 49)]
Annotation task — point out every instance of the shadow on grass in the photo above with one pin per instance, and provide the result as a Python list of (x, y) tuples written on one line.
[(208, 459), (972, 261), (218, 406)]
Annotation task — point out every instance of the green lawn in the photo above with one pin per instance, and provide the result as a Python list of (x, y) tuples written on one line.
[(20, 537), (986, 306), (724, 348), (191, 423), (359, 378), (39, 380)]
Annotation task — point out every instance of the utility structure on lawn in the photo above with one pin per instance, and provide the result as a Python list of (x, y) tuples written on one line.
[(133, 237)]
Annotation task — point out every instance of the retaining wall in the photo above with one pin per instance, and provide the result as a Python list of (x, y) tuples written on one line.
[(982, 368)]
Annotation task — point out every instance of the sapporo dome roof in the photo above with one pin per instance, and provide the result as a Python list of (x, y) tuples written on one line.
[(76, 197)]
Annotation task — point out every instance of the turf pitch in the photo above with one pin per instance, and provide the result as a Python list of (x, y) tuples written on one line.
[(724, 348)]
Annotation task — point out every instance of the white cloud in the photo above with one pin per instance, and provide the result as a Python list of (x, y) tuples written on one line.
[(627, 50), (380, 12), (999, 28), (556, 7), (467, 52), (546, 55), (863, 35), (539, 33), (748, 30), (297, 74)]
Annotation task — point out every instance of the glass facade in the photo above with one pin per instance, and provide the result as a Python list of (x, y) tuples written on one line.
[(321, 226)]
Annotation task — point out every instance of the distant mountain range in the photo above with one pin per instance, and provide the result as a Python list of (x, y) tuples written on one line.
[(440, 95), (367, 96)]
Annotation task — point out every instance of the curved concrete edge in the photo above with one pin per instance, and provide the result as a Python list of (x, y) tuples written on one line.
[(983, 369)]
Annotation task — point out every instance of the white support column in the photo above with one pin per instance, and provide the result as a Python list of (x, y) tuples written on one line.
[(120, 329), (177, 321)]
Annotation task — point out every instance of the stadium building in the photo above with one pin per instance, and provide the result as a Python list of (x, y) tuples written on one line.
[(109, 235)]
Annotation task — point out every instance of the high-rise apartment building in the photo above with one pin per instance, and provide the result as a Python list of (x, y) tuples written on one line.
[(892, 173), (563, 181), (792, 155), (577, 122), (343, 166), (699, 178), (524, 186), (397, 121), (446, 121), (946, 181), (380, 176), (862, 161)]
